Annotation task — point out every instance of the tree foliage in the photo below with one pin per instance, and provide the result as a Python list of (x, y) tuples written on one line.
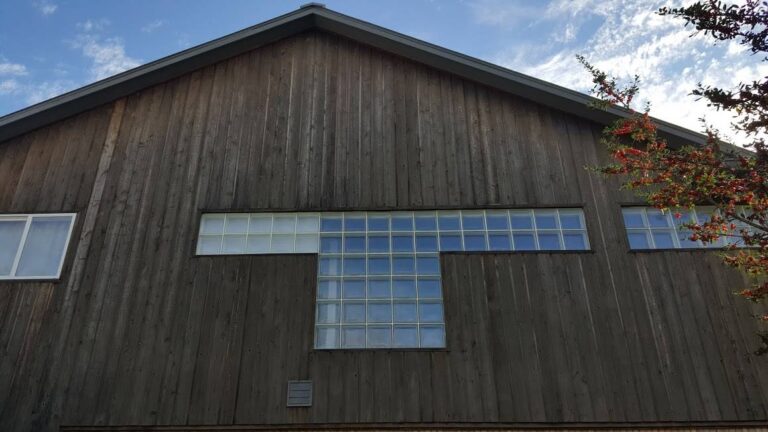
[(713, 174)]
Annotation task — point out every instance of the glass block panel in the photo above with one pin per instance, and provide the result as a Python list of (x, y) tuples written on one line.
[(379, 265), (379, 336), (449, 221), (426, 222), (329, 313), (379, 312), (499, 242), (354, 288), (403, 265), (378, 243), (406, 336), (329, 266), (378, 222), (283, 243), (212, 224), (427, 265), (426, 243), (474, 241), (496, 220), (430, 311), (405, 312), (307, 243), (330, 244), (354, 244), (354, 266), (429, 288), (432, 336), (472, 220), (524, 242), (327, 337), (450, 242), (260, 224), (236, 224), (404, 287), (259, 243), (402, 222), (329, 289), (307, 223), (284, 224), (354, 312), (402, 243), (379, 288), (330, 224), (354, 223), (233, 244), (353, 337)]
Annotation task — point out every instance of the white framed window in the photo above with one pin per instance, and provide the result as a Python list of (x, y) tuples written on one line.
[(32, 246), (650, 228), (379, 281)]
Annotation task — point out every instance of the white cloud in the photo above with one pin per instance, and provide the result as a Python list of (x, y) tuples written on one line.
[(152, 26), (46, 7), (630, 38), (9, 86), (7, 68), (107, 55), (93, 25), (46, 90)]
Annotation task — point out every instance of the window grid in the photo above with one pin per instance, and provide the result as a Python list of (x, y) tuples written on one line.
[(379, 283), (28, 219), (650, 228)]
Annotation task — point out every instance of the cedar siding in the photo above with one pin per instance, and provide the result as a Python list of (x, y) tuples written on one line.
[(140, 331)]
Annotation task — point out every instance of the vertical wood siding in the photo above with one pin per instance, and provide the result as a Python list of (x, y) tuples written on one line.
[(141, 332)]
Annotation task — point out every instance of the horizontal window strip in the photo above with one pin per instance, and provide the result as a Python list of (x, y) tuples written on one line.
[(393, 232)]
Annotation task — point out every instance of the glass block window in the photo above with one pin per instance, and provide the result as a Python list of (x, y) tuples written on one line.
[(650, 228), (379, 272), (32, 246)]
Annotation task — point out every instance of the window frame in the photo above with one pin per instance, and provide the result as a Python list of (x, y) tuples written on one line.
[(27, 218)]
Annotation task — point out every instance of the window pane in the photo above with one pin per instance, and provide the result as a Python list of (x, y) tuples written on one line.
[(378, 223), (574, 241), (379, 312), (663, 240), (353, 337), (327, 337), (449, 221), (546, 220), (685, 240), (236, 224), (633, 218), (233, 244), (378, 265), (330, 224), (432, 336), (260, 224), (497, 220), (472, 220), (403, 265), (212, 224), (430, 311), (406, 336), (549, 241), (258, 243), (402, 243), (354, 266), (521, 220), (638, 240), (284, 224), (306, 243), (378, 243), (450, 242), (10, 236), (570, 219), (427, 265), (44, 246), (330, 266), (657, 219), (354, 312), (379, 336), (524, 242), (354, 223), (206, 245), (307, 223), (283, 243), (328, 313), (402, 222), (354, 288), (499, 241)]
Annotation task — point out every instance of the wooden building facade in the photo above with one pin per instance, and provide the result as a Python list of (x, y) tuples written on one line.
[(316, 112)]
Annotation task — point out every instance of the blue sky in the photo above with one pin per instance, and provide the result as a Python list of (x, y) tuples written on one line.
[(48, 47)]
